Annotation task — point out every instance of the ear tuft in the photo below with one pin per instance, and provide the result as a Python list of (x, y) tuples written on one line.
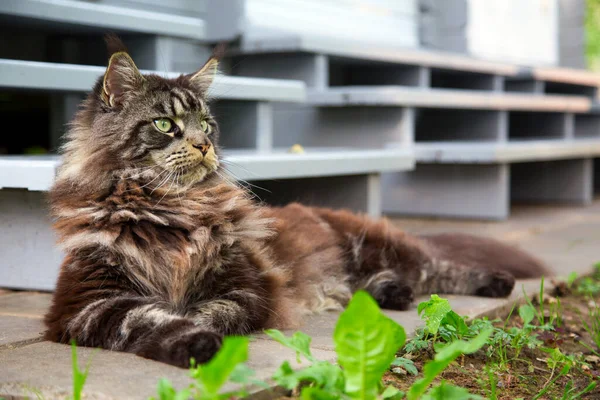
[(120, 78), (114, 44), (206, 75)]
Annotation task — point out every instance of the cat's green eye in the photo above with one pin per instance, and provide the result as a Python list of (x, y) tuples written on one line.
[(165, 125), (204, 126)]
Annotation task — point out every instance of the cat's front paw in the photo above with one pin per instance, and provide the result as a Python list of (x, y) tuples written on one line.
[(395, 296), (201, 346), (500, 284)]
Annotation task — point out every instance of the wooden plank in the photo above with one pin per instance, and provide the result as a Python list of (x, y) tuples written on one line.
[(511, 152), (462, 99)]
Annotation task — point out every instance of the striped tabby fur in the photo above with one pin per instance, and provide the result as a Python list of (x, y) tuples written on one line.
[(164, 255)]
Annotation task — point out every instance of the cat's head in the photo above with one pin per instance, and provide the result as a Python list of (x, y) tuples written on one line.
[(144, 126)]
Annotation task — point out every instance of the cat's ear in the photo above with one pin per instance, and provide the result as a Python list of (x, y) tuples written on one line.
[(206, 75), (121, 77)]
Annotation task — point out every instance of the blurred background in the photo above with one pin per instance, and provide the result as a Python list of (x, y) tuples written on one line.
[(456, 109)]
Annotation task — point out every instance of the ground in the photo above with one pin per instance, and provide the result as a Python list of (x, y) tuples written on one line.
[(567, 238)]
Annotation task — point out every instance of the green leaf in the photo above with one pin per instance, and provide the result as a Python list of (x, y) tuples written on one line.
[(391, 393), (313, 393), (443, 358), (366, 342), (527, 313), (321, 374), (79, 377), (446, 391), (244, 375), (407, 364), (166, 391), (571, 278), (453, 319), (213, 375), (433, 312), (299, 342)]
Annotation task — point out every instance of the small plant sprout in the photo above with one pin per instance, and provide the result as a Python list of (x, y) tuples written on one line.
[(79, 377)]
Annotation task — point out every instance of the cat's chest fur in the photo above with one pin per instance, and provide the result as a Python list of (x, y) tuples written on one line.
[(166, 245)]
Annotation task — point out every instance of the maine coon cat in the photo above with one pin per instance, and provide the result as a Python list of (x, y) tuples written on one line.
[(164, 255)]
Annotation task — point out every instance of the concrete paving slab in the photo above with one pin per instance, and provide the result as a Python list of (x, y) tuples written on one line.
[(18, 331), (25, 304), (46, 367)]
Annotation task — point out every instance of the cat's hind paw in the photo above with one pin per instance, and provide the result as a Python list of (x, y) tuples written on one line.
[(395, 296), (500, 284), (201, 346)]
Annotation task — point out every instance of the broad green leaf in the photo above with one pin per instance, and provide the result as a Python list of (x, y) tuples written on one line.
[(299, 342), (456, 321), (433, 312), (213, 375), (443, 358), (407, 364), (391, 393), (313, 393), (446, 391), (527, 313), (321, 374), (366, 342)]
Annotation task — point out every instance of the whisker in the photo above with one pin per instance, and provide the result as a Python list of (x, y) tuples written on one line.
[(162, 182), (246, 182), (236, 183), (168, 190), (143, 186), (179, 175)]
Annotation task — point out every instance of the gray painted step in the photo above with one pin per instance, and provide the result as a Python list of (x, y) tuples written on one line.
[(442, 98), (511, 152), (99, 17), (17, 74), (399, 55), (36, 173), (354, 52)]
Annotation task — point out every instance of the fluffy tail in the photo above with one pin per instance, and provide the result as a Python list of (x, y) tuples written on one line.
[(485, 253)]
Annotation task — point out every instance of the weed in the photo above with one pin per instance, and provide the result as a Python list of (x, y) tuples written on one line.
[(560, 361), (79, 377), (442, 359), (592, 323), (570, 392), (406, 364), (446, 391)]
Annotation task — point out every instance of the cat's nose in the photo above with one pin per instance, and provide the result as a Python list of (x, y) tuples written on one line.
[(202, 147)]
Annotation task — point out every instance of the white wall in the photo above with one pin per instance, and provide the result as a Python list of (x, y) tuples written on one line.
[(518, 31), (385, 22)]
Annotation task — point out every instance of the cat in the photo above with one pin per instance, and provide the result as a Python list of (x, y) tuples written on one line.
[(164, 255)]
